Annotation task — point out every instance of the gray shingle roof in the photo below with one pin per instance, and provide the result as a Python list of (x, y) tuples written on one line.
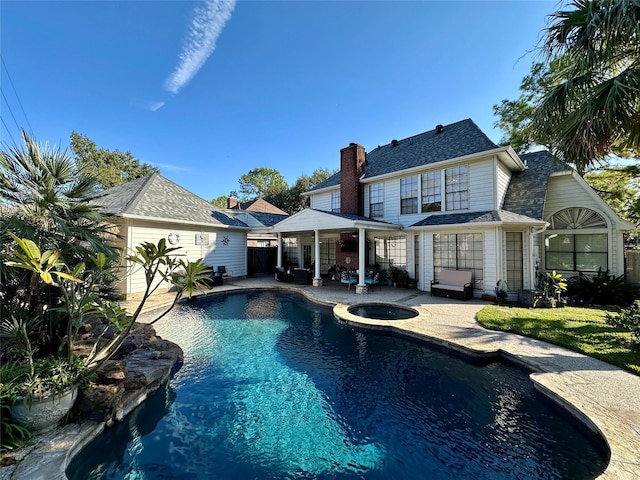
[(527, 190), (155, 197), (267, 219), (332, 181), (456, 140), (474, 217)]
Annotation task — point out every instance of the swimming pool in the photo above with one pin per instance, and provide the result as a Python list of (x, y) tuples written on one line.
[(273, 387)]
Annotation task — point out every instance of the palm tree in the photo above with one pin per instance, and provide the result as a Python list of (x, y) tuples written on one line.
[(46, 199), (594, 108)]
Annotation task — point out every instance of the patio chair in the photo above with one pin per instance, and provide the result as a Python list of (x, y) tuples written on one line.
[(222, 271), (346, 277), (301, 276), (372, 280)]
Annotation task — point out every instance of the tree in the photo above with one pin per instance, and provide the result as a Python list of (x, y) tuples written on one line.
[(45, 195), (593, 107), (110, 168), (514, 116), (46, 198), (292, 200), (260, 182), (620, 188), (220, 202)]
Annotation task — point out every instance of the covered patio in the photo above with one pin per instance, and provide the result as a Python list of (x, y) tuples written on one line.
[(319, 241)]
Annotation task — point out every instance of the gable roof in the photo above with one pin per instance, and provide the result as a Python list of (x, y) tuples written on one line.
[(454, 140), (528, 188), (259, 205), (155, 198)]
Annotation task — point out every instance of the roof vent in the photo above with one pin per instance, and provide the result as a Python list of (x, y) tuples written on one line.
[(439, 129), (394, 143)]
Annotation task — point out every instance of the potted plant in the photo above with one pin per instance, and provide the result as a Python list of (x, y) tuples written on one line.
[(401, 278), (49, 384), (552, 285)]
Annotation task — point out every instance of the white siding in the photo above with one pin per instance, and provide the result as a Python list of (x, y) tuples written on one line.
[(482, 195), (481, 186), (392, 204), (232, 255), (564, 192), (426, 259), (503, 179), (321, 201), (492, 260)]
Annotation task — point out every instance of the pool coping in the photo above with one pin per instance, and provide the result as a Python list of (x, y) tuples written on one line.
[(50, 456)]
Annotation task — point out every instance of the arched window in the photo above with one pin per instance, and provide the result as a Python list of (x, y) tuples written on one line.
[(576, 218), (577, 240)]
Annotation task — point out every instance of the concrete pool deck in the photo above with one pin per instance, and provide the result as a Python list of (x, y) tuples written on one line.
[(604, 397)]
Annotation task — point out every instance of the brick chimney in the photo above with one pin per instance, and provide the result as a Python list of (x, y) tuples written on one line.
[(232, 202), (352, 159)]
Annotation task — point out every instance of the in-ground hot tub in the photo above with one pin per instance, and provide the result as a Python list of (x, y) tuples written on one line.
[(382, 311)]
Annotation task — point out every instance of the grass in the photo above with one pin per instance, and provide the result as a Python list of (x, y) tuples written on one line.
[(583, 330)]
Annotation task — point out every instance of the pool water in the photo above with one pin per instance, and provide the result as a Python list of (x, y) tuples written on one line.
[(382, 311), (273, 387)]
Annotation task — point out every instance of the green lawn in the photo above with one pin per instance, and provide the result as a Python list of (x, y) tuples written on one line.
[(580, 329)]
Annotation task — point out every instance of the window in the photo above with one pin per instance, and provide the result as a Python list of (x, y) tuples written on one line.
[(391, 252), (335, 201), (565, 249), (431, 192), (462, 251), (328, 251), (409, 195), (290, 252), (306, 255), (576, 252), (376, 200), (514, 261), (456, 181)]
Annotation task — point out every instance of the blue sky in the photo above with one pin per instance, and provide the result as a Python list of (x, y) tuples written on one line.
[(209, 90)]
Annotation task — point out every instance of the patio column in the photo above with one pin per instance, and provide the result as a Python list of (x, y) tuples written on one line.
[(279, 261), (361, 287), (317, 280)]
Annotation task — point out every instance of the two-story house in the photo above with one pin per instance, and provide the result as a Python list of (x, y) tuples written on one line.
[(450, 198)]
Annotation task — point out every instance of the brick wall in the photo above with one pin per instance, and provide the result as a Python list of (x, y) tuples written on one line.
[(352, 160)]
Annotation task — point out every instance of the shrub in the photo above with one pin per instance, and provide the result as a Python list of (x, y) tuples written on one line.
[(629, 319), (603, 289), (13, 435)]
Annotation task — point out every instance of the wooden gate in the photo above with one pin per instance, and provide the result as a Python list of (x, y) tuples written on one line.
[(261, 260)]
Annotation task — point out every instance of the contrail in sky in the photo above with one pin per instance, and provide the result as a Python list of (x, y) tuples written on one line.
[(206, 26)]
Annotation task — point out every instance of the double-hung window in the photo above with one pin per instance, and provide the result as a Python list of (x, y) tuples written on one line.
[(376, 200), (335, 201), (431, 192), (456, 182), (409, 195)]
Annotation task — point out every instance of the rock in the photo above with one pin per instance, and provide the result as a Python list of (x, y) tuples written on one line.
[(99, 401), (112, 371), (141, 365)]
